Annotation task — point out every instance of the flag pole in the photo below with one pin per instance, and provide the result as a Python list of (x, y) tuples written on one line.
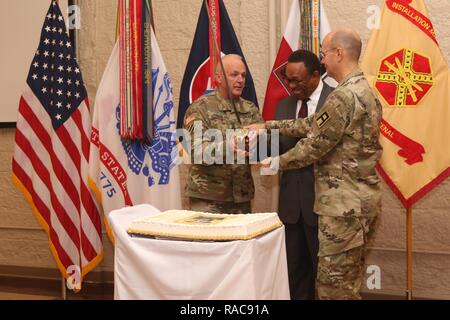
[(63, 280), (63, 289), (216, 47), (409, 253)]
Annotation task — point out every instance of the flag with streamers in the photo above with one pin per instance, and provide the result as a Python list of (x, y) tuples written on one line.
[(51, 154), (306, 27), (408, 71), (129, 172), (201, 66), (134, 24)]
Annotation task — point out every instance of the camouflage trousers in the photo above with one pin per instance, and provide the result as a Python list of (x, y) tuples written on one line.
[(342, 251), (212, 206)]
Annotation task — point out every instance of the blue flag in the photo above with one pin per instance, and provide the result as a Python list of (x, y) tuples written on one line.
[(199, 74)]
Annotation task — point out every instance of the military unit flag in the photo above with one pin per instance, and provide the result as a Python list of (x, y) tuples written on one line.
[(406, 67), (129, 172)]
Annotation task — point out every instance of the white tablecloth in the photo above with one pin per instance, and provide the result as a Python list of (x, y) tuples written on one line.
[(166, 269)]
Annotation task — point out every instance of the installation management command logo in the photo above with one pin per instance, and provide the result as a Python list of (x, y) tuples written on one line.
[(404, 78), (163, 145)]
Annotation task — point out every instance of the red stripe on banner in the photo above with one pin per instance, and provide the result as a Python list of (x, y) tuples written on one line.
[(276, 91), (43, 173), (411, 150), (95, 137), (137, 67), (86, 101), (212, 46), (91, 209), (123, 62), (409, 202), (403, 8), (66, 140), (114, 167), (26, 181), (72, 150), (214, 55), (88, 250), (44, 212), (121, 58), (134, 66), (85, 144), (58, 168), (85, 196)]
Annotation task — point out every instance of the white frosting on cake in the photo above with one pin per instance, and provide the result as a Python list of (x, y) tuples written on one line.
[(205, 226)]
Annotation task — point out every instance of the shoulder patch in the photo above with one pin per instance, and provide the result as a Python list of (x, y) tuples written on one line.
[(322, 119)]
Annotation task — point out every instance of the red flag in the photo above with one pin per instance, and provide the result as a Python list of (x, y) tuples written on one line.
[(276, 89), (51, 154)]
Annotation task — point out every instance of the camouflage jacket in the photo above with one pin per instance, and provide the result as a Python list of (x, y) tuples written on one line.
[(342, 141), (220, 182)]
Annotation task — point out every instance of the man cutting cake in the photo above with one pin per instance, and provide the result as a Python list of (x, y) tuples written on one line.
[(221, 188)]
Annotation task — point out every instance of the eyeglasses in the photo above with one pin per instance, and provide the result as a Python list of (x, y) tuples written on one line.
[(323, 54), (296, 82)]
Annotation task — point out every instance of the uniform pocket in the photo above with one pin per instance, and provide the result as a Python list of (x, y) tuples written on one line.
[(339, 234)]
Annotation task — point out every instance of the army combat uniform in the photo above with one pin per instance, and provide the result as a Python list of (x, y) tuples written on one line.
[(226, 188), (342, 141)]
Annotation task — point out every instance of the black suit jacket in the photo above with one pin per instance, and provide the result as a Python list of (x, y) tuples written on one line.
[(297, 185)]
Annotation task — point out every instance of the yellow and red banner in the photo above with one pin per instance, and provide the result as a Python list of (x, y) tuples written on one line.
[(407, 69)]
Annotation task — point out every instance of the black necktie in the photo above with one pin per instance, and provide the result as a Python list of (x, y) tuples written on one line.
[(303, 112)]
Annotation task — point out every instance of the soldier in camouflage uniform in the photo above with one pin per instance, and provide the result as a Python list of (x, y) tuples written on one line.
[(221, 188), (342, 141)]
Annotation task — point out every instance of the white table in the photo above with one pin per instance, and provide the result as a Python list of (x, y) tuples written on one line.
[(166, 269)]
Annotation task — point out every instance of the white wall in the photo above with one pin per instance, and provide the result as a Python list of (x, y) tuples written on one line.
[(20, 24)]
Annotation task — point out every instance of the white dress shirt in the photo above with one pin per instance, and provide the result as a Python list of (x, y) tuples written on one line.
[(313, 100)]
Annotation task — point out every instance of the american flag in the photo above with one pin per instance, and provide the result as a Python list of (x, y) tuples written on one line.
[(51, 154)]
